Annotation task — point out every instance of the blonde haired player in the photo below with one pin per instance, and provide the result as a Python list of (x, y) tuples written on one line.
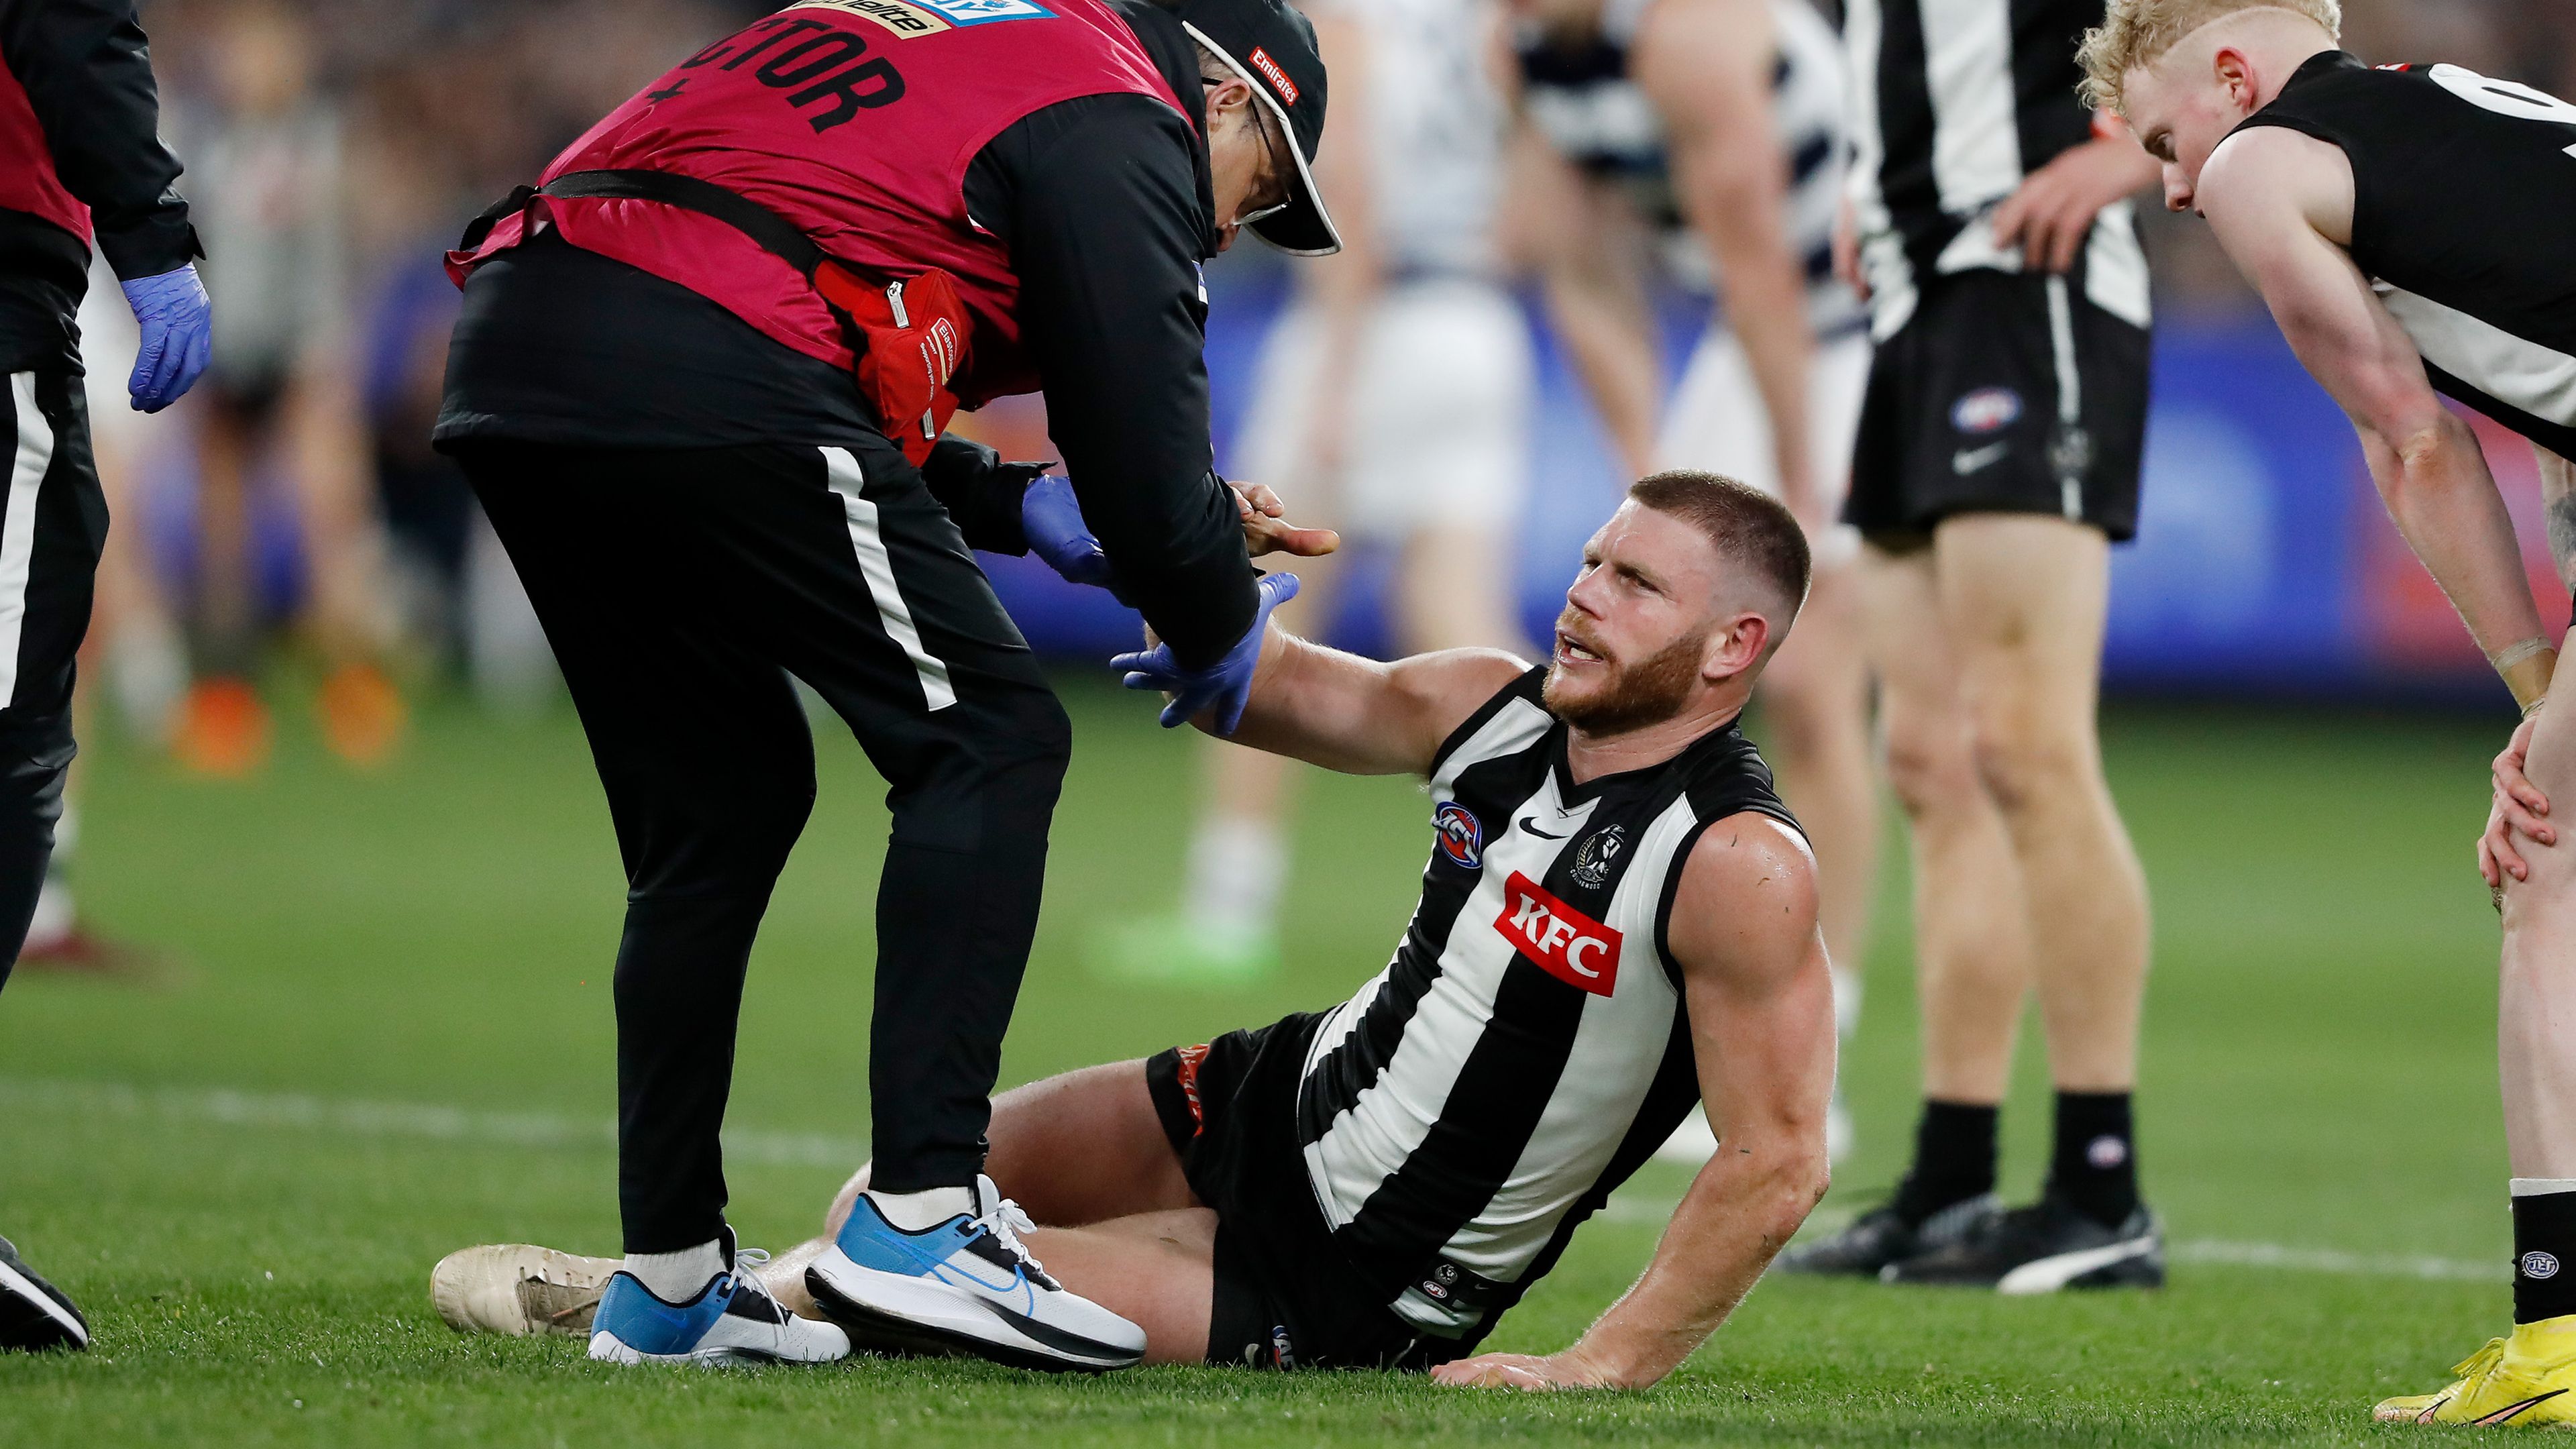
[(2406, 225)]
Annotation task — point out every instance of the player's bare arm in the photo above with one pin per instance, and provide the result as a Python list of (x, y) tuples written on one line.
[(1706, 66), (1761, 1012), (2278, 201), (1349, 287), (1588, 250), (1360, 716), (2519, 805)]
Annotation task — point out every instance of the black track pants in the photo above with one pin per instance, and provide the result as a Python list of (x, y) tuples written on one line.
[(681, 589), (52, 524)]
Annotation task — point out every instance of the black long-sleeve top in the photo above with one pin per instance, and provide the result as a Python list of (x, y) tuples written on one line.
[(86, 73), (1106, 206)]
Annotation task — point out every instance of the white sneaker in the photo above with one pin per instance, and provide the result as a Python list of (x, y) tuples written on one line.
[(732, 1320), (519, 1289), (965, 1285)]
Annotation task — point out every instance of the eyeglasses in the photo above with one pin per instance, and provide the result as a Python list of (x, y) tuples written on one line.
[(1278, 173)]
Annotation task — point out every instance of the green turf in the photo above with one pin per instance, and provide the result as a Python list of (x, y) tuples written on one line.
[(346, 949)]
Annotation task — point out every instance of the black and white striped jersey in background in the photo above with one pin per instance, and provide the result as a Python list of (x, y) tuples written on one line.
[(1955, 101), (1527, 1047), (1583, 102), (2464, 200)]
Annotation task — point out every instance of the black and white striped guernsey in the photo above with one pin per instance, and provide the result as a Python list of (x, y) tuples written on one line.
[(2463, 203), (1581, 100), (1527, 1047), (1955, 101)]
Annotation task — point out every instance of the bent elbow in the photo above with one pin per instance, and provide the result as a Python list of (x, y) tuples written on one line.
[(2421, 444), (1796, 1187)]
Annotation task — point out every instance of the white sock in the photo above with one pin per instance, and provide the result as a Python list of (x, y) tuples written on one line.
[(914, 1211), (2541, 1186), (678, 1277), (1237, 872)]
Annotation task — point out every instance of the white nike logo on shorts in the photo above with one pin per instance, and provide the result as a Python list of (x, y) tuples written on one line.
[(1968, 460)]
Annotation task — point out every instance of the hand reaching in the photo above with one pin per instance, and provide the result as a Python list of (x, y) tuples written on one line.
[(1223, 687), (1266, 529)]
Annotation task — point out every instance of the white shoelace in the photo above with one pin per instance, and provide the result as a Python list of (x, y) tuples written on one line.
[(1006, 1222)]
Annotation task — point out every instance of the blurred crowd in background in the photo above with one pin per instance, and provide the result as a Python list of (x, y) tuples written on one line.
[(292, 507)]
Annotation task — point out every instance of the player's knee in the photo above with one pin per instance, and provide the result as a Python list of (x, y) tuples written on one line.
[(1929, 771), (2026, 767)]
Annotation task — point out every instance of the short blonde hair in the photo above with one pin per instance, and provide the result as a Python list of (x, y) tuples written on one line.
[(2137, 33)]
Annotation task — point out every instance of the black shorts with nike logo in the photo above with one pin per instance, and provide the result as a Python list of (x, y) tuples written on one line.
[(2003, 393), (1286, 1297)]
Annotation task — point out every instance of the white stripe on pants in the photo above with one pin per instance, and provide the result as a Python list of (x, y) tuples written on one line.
[(2070, 386), (878, 568), (18, 525)]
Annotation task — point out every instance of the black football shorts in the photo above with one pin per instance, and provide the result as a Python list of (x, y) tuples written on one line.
[(2003, 393), (1286, 1297)]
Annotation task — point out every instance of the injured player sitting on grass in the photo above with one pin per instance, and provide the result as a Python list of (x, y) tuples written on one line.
[(1617, 921)]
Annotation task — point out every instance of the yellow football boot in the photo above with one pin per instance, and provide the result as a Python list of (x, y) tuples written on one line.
[(2529, 1378)]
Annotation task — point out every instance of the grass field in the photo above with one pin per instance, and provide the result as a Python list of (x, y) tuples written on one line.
[(384, 1032)]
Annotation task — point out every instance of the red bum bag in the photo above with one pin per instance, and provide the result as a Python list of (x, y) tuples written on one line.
[(909, 334)]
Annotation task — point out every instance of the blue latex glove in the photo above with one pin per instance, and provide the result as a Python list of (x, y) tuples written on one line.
[(1223, 686), (178, 336), (1052, 522)]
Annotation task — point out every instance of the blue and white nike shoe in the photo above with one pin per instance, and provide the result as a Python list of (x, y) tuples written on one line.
[(965, 1285), (732, 1320)]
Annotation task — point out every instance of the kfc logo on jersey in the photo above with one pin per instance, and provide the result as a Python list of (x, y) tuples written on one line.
[(1460, 835), (1557, 938)]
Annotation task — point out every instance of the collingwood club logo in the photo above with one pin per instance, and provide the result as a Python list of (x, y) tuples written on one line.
[(1594, 857)]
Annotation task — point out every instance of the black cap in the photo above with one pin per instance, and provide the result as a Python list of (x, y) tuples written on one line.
[(1273, 47)]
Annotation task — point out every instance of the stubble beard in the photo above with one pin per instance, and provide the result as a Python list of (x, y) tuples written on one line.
[(1649, 692)]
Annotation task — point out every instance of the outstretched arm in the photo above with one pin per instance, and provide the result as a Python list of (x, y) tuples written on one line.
[(2271, 195), (1762, 1020), (1359, 716)]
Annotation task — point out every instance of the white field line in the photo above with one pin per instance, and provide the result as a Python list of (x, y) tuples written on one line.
[(1637, 1210), (297, 1111)]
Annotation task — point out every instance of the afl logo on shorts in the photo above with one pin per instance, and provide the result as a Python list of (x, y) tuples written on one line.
[(1460, 836), (2537, 1264), (1985, 410)]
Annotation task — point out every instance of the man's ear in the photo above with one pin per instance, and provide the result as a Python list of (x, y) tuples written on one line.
[(1231, 94), (2235, 72), (1735, 646)]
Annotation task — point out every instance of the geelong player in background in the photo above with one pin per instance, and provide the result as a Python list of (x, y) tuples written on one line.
[(699, 383), (1617, 921), (2000, 440), (1703, 140), (2409, 228), (81, 163), (1392, 398)]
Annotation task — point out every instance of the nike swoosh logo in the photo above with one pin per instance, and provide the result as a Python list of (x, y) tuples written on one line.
[(2506, 1414), (2047, 1275), (1968, 460), (1534, 830)]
